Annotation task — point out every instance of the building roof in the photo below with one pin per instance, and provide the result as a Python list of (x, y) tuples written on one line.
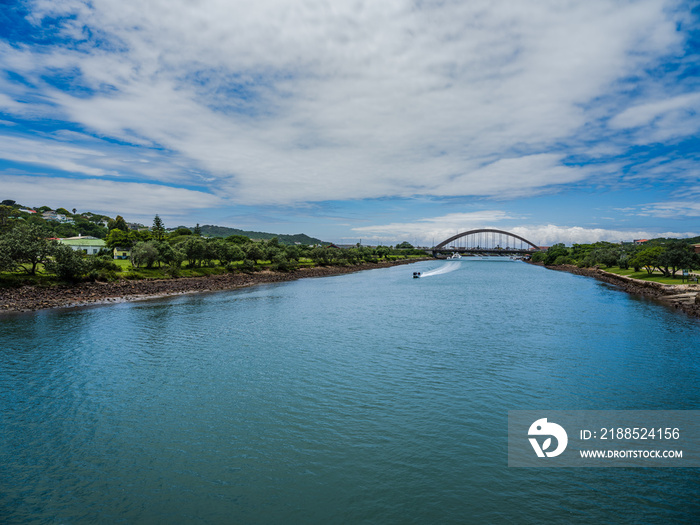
[(83, 241)]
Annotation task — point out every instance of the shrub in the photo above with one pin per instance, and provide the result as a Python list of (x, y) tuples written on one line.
[(104, 263), (537, 257), (281, 263), (68, 264), (248, 265), (103, 276), (172, 270)]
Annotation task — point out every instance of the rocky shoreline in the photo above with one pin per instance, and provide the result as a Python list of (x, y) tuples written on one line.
[(683, 297), (32, 298)]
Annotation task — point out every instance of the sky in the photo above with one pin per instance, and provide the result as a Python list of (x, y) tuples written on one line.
[(358, 121)]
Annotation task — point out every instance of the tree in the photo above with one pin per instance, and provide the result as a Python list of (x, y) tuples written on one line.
[(324, 255), (235, 253), (405, 245), (253, 251), (238, 239), (144, 253), (87, 227), (5, 212), (197, 230), (209, 253), (158, 229), (382, 251), (6, 263), (117, 238), (170, 256), (118, 223), (281, 263), (555, 253), (182, 231), (648, 258), (293, 252), (624, 261), (67, 264), (271, 250), (676, 256), (607, 256), (26, 246), (194, 250), (227, 252)]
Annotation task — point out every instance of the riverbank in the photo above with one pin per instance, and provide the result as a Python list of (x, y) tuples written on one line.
[(683, 297), (32, 298)]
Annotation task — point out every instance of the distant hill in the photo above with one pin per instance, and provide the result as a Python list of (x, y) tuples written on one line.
[(222, 231)]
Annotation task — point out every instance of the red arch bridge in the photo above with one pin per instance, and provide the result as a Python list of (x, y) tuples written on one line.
[(485, 241)]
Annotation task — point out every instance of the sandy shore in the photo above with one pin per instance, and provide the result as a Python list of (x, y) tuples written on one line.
[(31, 298), (682, 297)]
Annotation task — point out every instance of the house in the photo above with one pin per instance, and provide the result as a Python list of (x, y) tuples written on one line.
[(121, 253), (87, 244), (58, 217), (696, 247)]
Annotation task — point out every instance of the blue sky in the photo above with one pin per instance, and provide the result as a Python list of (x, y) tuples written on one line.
[(562, 121)]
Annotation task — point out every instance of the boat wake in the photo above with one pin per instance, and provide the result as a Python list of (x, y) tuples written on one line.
[(445, 268)]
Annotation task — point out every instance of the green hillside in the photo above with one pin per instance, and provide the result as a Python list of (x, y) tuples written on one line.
[(223, 231)]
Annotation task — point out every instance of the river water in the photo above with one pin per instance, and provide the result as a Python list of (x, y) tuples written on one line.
[(363, 398)]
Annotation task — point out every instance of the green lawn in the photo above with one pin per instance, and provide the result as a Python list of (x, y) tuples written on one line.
[(15, 279), (656, 276)]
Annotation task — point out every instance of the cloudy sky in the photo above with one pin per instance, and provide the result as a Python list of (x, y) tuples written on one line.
[(381, 121)]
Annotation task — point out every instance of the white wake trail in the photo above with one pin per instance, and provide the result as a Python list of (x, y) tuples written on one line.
[(446, 268)]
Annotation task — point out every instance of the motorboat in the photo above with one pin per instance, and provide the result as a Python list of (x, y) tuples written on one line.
[(416, 275)]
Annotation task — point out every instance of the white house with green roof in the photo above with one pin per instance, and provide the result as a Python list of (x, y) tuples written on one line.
[(87, 244)]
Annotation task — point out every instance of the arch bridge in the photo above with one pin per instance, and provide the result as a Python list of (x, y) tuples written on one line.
[(485, 241)]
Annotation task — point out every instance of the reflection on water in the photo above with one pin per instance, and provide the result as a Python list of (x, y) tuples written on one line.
[(366, 397)]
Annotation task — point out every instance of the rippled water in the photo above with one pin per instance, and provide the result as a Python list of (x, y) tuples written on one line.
[(371, 397)]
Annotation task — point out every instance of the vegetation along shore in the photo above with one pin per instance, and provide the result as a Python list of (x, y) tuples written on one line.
[(660, 269), (55, 258), (34, 297), (58, 258)]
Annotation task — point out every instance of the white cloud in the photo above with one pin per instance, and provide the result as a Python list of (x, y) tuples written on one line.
[(81, 154), (282, 102), (433, 230), (51, 154), (673, 209), (549, 234), (662, 120)]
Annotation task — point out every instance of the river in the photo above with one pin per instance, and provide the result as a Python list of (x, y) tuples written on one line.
[(363, 398)]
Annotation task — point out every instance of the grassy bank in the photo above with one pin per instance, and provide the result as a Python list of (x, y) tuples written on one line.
[(643, 275), (127, 271)]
